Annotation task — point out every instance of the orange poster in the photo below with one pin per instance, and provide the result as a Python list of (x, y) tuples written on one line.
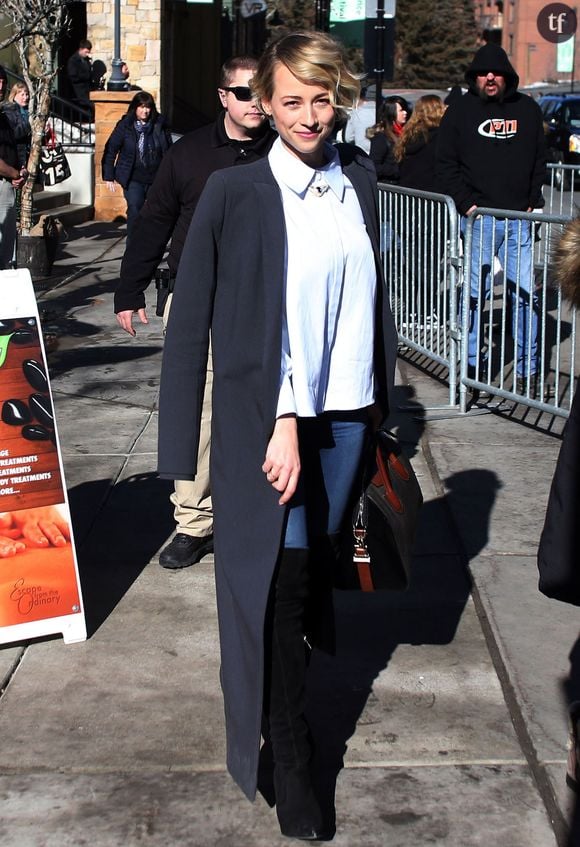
[(39, 585)]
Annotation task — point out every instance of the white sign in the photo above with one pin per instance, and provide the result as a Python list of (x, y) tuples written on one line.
[(389, 7), (342, 11), (565, 56), (40, 592)]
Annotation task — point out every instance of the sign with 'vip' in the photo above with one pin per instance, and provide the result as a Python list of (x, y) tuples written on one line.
[(39, 584)]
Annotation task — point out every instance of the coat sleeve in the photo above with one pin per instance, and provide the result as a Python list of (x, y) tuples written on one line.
[(539, 175), (74, 69), (449, 176), (152, 229), (383, 158), (558, 561), (185, 353), (111, 151)]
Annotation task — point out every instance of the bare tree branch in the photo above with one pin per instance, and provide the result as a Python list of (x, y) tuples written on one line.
[(37, 27)]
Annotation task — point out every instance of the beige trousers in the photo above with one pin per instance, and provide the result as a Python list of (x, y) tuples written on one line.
[(192, 498)]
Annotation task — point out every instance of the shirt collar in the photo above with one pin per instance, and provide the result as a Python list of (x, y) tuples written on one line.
[(297, 176), (260, 143)]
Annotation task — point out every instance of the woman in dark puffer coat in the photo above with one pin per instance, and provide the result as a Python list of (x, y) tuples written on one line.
[(134, 151), (383, 136), (16, 110)]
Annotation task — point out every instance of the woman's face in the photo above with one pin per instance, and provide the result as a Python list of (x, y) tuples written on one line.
[(303, 114), (22, 97), (401, 114), (143, 113)]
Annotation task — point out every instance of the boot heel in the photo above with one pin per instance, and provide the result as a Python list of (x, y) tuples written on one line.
[(297, 808)]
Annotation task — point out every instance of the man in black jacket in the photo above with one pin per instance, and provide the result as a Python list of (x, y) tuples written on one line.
[(241, 134), (79, 72), (491, 153)]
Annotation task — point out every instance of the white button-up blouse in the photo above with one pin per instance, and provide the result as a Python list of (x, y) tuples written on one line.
[(329, 289)]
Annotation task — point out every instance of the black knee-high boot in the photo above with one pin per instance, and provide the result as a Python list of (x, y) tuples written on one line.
[(298, 811)]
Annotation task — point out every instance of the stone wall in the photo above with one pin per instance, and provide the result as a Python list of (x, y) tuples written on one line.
[(140, 39), (110, 106)]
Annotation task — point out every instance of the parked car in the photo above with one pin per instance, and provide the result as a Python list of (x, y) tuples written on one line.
[(562, 122)]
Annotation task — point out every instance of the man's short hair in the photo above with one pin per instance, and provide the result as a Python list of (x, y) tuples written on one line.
[(236, 63), (3, 74), (85, 45)]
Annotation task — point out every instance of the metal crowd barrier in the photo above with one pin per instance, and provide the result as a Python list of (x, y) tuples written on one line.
[(559, 192), (518, 337), (420, 244), (499, 303)]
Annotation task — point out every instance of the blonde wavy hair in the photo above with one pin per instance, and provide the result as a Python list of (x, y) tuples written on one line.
[(427, 115), (315, 59)]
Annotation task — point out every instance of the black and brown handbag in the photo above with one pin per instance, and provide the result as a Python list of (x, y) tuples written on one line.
[(378, 542)]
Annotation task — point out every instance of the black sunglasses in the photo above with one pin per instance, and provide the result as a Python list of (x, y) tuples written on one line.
[(240, 92)]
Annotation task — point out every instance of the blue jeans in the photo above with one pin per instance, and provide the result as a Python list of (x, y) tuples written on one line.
[(518, 271), (135, 195), (331, 447), (7, 223)]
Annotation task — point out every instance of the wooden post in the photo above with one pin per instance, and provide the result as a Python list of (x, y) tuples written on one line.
[(110, 106)]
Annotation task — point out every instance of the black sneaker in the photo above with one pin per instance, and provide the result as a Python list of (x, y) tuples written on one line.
[(537, 390), (479, 395), (185, 550)]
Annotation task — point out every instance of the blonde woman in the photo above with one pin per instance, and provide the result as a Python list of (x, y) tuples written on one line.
[(415, 147), (281, 264), (16, 110)]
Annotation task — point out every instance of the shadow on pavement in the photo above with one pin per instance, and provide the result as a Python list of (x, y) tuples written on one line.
[(62, 361), (131, 521)]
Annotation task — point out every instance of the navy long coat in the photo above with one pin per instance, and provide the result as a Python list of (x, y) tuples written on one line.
[(558, 551), (230, 279)]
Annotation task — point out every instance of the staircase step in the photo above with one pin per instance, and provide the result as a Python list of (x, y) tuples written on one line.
[(45, 200), (68, 214)]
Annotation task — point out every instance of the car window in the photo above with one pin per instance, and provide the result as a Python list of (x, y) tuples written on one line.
[(548, 108), (574, 115)]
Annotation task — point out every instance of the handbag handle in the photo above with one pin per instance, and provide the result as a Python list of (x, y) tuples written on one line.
[(50, 137), (382, 476)]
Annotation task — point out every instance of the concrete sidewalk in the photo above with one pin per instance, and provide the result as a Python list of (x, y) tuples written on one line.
[(442, 719)]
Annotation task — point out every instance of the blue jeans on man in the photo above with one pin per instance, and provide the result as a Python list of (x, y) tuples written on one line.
[(511, 241)]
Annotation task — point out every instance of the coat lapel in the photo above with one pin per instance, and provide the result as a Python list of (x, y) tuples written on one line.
[(273, 239), (366, 193)]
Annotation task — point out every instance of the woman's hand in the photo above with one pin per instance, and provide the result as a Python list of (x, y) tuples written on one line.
[(282, 462), (112, 186)]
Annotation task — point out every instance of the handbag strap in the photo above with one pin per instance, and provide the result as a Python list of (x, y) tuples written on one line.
[(384, 468), (50, 136)]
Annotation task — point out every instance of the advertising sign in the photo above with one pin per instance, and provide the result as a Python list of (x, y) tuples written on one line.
[(39, 585), (565, 56)]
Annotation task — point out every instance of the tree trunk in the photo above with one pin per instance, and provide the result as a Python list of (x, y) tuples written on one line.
[(38, 124)]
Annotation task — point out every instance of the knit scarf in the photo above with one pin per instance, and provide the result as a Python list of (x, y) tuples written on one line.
[(143, 129)]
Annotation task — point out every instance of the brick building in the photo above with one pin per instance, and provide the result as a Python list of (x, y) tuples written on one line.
[(513, 24)]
